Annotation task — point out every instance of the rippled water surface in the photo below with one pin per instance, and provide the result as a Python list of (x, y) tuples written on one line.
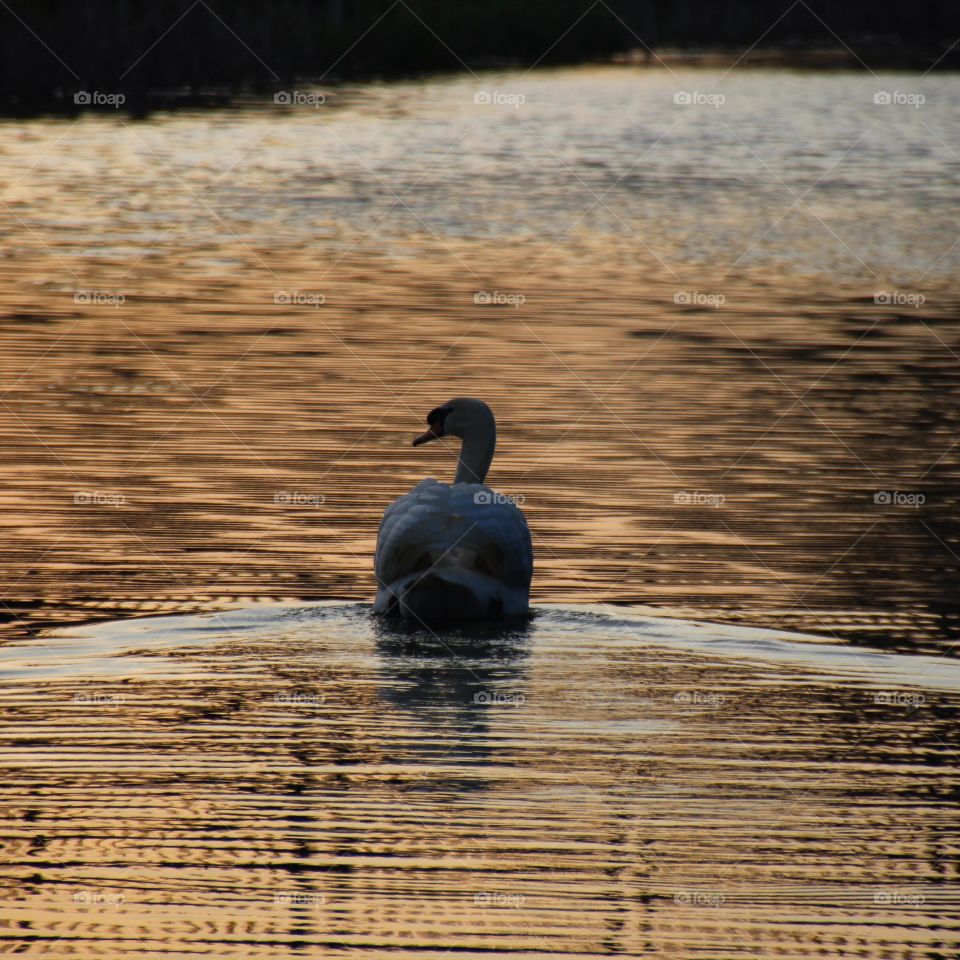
[(303, 779), (722, 345), (219, 330)]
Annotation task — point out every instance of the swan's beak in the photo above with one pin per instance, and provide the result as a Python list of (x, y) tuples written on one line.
[(426, 437), (435, 421)]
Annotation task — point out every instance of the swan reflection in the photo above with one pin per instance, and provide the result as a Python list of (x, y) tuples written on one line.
[(451, 678)]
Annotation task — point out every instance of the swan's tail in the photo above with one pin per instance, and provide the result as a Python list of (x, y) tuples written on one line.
[(449, 594)]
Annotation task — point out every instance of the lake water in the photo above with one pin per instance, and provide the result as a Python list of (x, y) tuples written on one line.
[(721, 340), (301, 780)]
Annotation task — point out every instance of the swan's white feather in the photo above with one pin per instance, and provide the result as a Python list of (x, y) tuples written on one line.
[(465, 536)]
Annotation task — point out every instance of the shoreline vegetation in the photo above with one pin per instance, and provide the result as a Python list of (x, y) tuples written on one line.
[(139, 57)]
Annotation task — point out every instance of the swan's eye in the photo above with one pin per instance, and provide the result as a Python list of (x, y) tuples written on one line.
[(436, 417)]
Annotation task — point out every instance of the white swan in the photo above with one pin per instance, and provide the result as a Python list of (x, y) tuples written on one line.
[(459, 552)]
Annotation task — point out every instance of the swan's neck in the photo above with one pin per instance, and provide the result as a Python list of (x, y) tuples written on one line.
[(476, 455)]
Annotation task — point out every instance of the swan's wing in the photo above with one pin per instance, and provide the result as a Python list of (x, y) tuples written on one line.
[(465, 525)]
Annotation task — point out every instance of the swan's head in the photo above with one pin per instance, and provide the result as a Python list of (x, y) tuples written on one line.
[(461, 417)]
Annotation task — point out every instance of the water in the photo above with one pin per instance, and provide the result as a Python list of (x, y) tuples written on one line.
[(302, 779), (721, 343), (762, 166), (211, 321)]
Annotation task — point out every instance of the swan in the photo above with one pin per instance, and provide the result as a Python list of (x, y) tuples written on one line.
[(460, 551)]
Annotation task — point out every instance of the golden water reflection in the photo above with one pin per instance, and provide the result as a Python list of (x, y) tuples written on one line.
[(218, 335), (326, 784), (188, 448), (218, 331)]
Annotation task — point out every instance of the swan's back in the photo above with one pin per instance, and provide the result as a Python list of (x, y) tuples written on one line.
[(453, 552)]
